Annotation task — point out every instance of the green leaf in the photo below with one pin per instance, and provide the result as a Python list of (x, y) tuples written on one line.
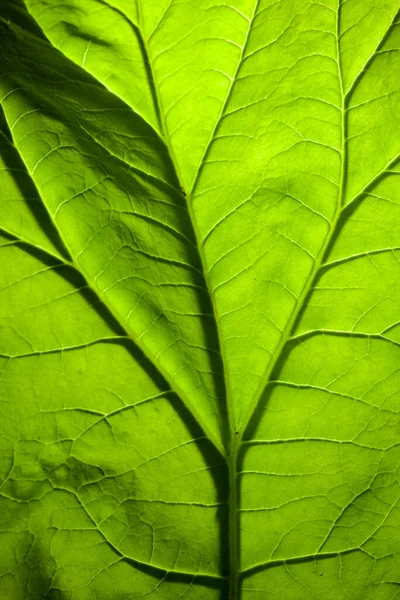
[(200, 300)]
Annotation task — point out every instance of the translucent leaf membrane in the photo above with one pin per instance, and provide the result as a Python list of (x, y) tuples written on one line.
[(110, 190), (199, 300), (103, 473)]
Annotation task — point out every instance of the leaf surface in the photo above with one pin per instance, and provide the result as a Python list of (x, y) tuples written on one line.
[(200, 300)]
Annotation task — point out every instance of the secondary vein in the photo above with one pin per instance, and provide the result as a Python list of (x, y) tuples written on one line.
[(320, 259)]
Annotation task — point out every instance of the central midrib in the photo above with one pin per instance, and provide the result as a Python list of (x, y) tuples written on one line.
[(236, 437)]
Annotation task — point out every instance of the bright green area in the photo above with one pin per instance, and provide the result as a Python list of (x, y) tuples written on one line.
[(199, 300)]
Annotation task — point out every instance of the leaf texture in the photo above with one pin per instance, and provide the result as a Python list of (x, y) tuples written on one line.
[(200, 300)]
